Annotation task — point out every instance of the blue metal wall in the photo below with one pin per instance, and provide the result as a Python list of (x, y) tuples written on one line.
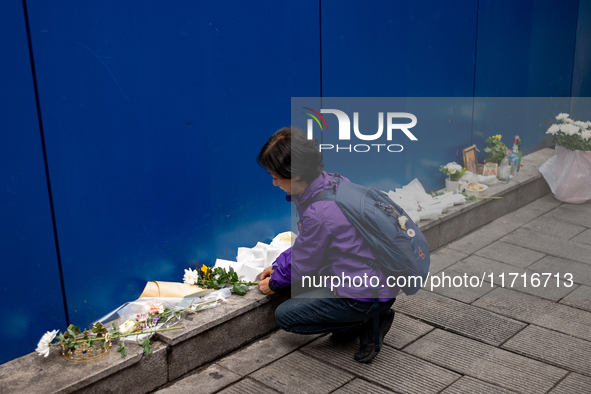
[(153, 114), (32, 300)]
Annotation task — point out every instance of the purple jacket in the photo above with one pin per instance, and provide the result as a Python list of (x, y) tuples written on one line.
[(328, 244)]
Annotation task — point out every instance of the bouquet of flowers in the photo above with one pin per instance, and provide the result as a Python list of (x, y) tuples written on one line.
[(144, 323), (570, 134), (454, 170), (496, 151), (136, 320), (216, 278)]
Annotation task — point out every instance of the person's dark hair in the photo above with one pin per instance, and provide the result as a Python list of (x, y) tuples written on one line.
[(289, 153)]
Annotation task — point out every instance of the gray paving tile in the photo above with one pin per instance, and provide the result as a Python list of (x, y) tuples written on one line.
[(405, 330), (361, 386), (510, 254), (538, 311), (500, 227), (579, 214), (479, 266), (264, 351), (581, 273), (553, 348), (247, 386), (468, 385), (485, 362), (458, 317), (580, 298), (466, 294), (550, 245), (573, 384), (549, 225), (443, 258), (207, 381), (391, 368), (533, 210), (584, 237), (484, 236), (298, 373)]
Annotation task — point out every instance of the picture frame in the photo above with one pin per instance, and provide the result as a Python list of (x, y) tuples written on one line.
[(490, 169), (470, 161)]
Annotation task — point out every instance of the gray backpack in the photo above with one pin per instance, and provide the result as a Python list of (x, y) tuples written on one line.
[(398, 251)]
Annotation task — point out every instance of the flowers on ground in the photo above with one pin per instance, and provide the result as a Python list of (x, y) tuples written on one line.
[(156, 309), (46, 339), (454, 170), (570, 134), (216, 278), (191, 277), (496, 151), (127, 327)]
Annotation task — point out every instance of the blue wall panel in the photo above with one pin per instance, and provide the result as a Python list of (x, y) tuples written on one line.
[(398, 48), (403, 49), (154, 116), (32, 301), (582, 66), (525, 49), (581, 92)]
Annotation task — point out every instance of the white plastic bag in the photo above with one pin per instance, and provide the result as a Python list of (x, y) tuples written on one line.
[(569, 175)]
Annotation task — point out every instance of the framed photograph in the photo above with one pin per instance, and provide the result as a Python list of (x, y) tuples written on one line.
[(490, 169), (470, 161)]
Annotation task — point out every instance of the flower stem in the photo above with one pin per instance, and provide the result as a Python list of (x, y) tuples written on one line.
[(92, 339)]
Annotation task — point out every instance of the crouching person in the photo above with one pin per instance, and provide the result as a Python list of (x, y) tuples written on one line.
[(328, 247)]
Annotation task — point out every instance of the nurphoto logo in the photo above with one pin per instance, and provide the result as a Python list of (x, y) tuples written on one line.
[(345, 130)]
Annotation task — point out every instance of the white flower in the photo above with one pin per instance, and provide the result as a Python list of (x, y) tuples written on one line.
[(580, 124), (453, 167), (586, 134), (569, 129), (127, 327), (553, 129), (588, 123), (191, 277), (43, 345), (562, 116)]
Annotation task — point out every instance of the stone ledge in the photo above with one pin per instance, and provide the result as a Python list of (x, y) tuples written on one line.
[(212, 333)]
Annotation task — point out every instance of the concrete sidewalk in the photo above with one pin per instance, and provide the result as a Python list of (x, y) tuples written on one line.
[(486, 338)]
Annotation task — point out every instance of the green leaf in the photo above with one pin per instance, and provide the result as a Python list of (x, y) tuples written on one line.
[(240, 289), (122, 349), (74, 329), (147, 347)]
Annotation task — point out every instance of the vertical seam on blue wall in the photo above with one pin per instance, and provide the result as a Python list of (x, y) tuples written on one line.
[(320, 38), (474, 76), (572, 74), (38, 105)]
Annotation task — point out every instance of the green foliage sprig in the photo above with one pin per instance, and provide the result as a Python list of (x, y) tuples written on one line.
[(216, 278), (496, 151)]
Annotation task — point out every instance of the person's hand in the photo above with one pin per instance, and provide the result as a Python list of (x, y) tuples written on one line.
[(264, 285), (267, 273)]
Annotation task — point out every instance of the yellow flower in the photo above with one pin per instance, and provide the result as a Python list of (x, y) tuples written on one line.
[(498, 136), (204, 269)]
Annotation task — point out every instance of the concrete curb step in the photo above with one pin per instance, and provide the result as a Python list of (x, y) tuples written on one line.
[(218, 331)]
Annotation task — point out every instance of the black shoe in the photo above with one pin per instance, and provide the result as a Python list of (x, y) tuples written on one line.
[(346, 336), (367, 350)]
